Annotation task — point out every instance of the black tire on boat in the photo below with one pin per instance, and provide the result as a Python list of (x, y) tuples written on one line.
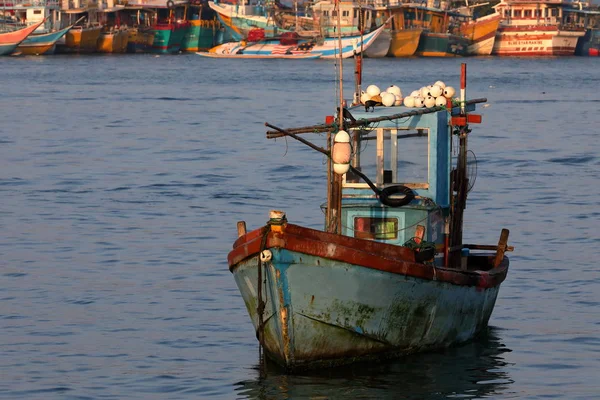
[(384, 196)]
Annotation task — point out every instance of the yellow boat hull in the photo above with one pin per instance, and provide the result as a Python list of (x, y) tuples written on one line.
[(404, 42)]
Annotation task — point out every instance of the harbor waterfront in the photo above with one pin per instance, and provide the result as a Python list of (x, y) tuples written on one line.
[(123, 179), (432, 28)]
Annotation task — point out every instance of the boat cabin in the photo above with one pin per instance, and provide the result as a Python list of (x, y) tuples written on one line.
[(412, 152), (354, 17)]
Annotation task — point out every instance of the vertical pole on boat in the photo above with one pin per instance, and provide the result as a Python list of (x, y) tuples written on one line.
[(461, 177), (334, 198), (358, 58)]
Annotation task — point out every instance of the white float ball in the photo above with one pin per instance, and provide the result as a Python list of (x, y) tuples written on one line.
[(419, 102), (424, 92), (441, 101), (364, 97), (398, 101), (373, 90), (440, 84), (449, 92), (409, 101), (416, 93), (394, 90), (429, 101), (388, 99), (436, 91)]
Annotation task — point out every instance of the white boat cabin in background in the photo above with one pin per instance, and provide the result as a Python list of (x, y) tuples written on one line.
[(538, 28)]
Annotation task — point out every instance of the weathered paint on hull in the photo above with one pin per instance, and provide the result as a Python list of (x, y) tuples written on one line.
[(355, 313), (168, 38), (81, 40), (405, 42), (535, 41), (113, 42), (442, 45)]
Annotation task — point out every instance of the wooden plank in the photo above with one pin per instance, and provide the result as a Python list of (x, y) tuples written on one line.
[(241, 228), (501, 247)]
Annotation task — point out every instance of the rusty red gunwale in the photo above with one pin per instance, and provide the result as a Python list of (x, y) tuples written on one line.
[(365, 253)]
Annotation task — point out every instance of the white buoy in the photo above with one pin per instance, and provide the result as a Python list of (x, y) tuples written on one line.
[(341, 152), (436, 91), (449, 92), (394, 90), (416, 93), (373, 90), (364, 97), (409, 101), (388, 99), (398, 101), (424, 91), (440, 84), (429, 101), (419, 102), (441, 101)]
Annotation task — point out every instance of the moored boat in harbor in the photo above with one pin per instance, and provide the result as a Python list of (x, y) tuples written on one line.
[(537, 28), (389, 274), (9, 40), (291, 43), (482, 34)]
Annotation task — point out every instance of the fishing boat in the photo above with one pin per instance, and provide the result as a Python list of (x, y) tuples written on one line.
[(390, 273), (240, 18), (482, 34), (204, 28), (308, 56), (292, 43), (537, 28), (11, 39), (404, 36), (440, 38), (114, 35), (43, 40)]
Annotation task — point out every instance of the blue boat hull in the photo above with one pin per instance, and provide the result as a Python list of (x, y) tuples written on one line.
[(42, 44), (321, 312)]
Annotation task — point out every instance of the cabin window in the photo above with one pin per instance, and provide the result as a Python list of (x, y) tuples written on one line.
[(554, 12), (37, 11), (355, 15), (507, 13), (334, 13), (517, 13), (375, 228), (527, 13), (392, 156), (345, 13), (326, 13), (538, 13)]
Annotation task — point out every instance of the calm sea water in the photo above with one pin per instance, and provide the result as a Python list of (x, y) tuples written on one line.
[(122, 178)]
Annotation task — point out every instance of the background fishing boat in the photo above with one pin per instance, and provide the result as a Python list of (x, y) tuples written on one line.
[(43, 39), (441, 36), (9, 40), (83, 36), (240, 19), (482, 34), (537, 28), (202, 34), (291, 43), (114, 35)]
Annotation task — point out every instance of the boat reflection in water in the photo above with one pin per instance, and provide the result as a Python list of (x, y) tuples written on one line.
[(474, 370)]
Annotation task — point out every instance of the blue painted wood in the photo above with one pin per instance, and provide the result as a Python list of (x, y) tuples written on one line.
[(319, 311)]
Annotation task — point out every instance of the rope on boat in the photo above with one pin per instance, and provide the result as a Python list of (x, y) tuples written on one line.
[(260, 307)]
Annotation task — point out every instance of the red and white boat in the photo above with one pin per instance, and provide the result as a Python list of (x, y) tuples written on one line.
[(537, 28)]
